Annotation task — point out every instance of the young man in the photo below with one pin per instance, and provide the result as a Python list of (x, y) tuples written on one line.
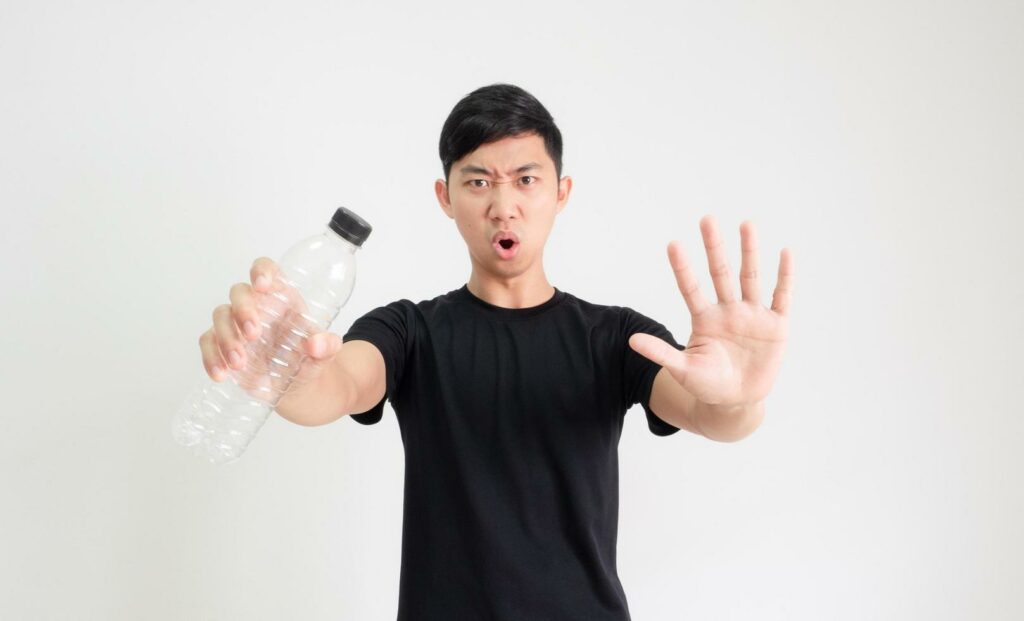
[(510, 393)]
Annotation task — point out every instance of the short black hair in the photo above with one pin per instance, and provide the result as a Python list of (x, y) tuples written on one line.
[(494, 112)]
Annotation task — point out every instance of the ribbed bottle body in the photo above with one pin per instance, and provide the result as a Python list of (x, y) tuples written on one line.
[(219, 419)]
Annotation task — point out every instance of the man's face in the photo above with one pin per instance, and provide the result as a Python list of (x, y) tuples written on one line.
[(504, 189)]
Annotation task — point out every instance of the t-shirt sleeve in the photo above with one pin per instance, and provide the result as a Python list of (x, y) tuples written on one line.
[(389, 329), (638, 371)]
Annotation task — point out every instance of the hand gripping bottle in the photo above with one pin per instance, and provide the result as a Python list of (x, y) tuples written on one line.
[(219, 419)]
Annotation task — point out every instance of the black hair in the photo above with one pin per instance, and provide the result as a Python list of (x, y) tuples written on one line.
[(494, 112)]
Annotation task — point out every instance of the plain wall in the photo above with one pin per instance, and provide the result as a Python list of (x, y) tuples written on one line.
[(150, 151)]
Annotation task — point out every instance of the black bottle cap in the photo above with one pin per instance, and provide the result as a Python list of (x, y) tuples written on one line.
[(350, 226)]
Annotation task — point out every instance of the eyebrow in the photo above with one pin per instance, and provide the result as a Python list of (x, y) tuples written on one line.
[(483, 171)]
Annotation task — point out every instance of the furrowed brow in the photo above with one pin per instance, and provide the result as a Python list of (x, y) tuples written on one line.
[(474, 170), (479, 170)]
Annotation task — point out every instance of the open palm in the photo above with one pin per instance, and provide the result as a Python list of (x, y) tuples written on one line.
[(735, 350)]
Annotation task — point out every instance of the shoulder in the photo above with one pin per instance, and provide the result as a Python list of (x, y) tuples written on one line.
[(423, 305), (431, 308), (613, 315), (411, 312), (624, 321)]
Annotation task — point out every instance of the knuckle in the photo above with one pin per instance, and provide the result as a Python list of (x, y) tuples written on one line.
[(222, 346), (262, 264), (226, 338)]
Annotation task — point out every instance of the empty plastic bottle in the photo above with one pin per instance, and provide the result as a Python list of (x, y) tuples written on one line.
[(219, 419)]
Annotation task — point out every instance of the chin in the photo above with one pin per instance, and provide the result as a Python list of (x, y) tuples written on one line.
[(506, 268)]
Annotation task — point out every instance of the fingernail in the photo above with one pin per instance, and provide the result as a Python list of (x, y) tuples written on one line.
[(318, 347), (250, 328), (262, 281), (235, 358)]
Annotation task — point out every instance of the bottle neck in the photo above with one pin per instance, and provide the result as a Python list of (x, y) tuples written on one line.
[(334, 238)]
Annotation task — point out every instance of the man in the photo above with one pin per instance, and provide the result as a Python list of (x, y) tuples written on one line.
[(510, 393)]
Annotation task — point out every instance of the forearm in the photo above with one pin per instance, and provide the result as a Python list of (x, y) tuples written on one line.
[(728, 424), (323, 400)]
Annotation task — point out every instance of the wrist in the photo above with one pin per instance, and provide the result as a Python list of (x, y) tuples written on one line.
[(729, 423)]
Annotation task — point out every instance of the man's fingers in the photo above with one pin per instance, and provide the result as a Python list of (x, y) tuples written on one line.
[(212, 360), (244, 311), (656, 350), (228, 339), (263, 273), (685, 279), (784, 286), (323, 345), (717, 262), (748, 267)]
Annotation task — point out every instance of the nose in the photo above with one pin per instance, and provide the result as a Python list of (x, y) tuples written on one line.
[(503, 203)]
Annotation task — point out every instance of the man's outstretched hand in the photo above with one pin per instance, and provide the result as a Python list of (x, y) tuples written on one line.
[(735, 350)]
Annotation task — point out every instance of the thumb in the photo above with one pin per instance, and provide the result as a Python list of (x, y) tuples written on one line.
[(656, 350), (323, 346)]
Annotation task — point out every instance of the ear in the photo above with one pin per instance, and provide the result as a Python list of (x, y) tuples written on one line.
[(441, 190), (564, 187)]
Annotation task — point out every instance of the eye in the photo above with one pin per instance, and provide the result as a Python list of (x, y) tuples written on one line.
[(532, 179), (473, 183)]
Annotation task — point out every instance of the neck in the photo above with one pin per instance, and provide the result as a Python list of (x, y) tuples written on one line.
[(522, 291)]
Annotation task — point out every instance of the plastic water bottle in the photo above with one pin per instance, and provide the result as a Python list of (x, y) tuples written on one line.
[(219, 419)]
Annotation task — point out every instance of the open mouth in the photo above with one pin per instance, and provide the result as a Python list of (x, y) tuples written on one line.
[(506, 244)]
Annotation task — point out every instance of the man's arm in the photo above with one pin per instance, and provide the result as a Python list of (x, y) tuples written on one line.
[(675, 405), (352, 383)]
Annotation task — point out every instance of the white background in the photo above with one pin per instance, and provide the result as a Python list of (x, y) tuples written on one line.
[(150, 151)]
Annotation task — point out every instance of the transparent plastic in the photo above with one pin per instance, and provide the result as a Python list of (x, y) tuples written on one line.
[(219, 419)]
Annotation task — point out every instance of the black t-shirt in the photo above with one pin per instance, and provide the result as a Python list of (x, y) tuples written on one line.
[(510, 420)]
